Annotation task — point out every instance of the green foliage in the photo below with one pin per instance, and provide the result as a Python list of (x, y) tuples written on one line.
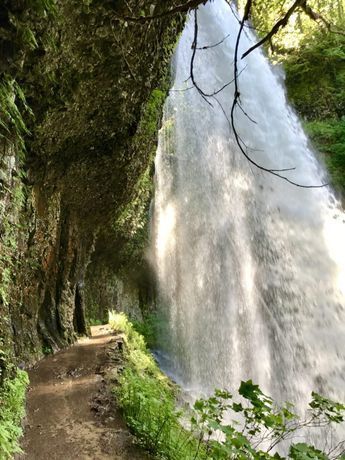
[(302, 451), (11, 204), (137, 353), (43, 7), (148, 400), (329, 138), (148, 328), (12, 99), (314, 60), (260, 425), (47, 350), (257, 424), (9, 229), (12, 126), (289, 38), (12, 410), (330, 410), (315, 76), (150, 412), (94, 322)]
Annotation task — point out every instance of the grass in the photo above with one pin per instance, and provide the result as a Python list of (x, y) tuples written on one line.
[(148, 328), (148, 398), (148, 401), (12, 410)]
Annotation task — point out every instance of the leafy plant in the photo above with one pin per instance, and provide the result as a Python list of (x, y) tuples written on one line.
[(257, 428), (148, 329), (315, 76), (94, 322), (43, 7), (147, 398), (47, 350), (260, 425), (329, 138), (12, 126), (12, 410)]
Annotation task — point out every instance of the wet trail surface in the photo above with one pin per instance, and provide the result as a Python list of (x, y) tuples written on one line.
[(70, 415)]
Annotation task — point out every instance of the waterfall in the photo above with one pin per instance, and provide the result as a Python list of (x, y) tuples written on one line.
[(250, 269)]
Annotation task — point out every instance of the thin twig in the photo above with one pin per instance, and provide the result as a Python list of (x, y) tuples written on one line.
[(274, 172), (215, 45), (181, 90), (278, 25), (183, 8), (194, 47)]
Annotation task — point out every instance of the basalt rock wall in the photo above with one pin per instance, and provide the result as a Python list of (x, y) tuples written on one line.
[(82, 91)]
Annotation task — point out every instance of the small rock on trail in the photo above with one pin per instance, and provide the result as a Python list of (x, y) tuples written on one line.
[(70, 413)]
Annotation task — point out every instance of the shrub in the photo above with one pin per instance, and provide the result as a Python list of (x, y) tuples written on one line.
[(147, 398), (329, 138), (258, 425), (12, 410), (148, 328)]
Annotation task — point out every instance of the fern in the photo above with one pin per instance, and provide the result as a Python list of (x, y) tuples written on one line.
[(43, 7), (12, 410), (12, 125)]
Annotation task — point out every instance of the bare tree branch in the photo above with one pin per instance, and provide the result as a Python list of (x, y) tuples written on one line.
[(274, 172), (204, 95), (183, 8), (194, 4), (236, 100), (318, 17), (302, 4), (278, 25), (216, 44), (195, 47)]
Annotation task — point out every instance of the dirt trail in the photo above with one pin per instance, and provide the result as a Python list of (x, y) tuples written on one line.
[(70, 414)]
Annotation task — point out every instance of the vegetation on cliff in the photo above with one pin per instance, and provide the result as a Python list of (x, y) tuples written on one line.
[(258, 425), (81, 93), (311, 48), (74, 81), (12, 411), (16, 257), (79, 116), (316, 86)]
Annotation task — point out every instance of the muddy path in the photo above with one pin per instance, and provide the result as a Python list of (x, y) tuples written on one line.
[(70, 412)]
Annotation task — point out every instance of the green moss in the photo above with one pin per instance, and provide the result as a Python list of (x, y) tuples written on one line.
[(13, 103), (315, 76), (152, 113), (10, 230), (12, 410), (315, 79), (329, 138), (87, 77), (132, 222)]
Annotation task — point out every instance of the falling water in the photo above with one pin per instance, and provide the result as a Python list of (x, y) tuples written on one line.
[(250, 269)]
